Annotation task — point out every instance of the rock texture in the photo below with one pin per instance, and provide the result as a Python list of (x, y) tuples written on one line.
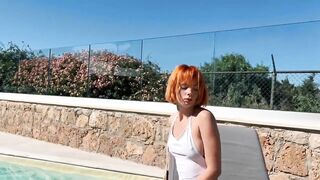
[(142, 137)]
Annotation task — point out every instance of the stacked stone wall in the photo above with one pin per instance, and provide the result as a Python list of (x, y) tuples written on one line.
[(133, 136), (291, 154), (138, 137)]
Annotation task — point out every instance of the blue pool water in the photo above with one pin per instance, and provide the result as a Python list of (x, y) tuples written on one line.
[(9, 171), (22, 168)]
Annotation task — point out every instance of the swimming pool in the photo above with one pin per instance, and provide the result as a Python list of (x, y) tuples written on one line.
[(21, 168)]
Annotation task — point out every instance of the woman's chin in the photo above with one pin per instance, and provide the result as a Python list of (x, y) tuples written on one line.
[(187, 105)]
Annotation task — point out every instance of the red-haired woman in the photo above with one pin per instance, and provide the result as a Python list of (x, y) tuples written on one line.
[(194, 142)]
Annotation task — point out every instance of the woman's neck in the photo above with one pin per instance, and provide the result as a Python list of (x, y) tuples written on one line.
[(186, 112)]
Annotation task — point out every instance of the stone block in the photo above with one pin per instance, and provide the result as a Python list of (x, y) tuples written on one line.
[(155, 155), (270, 142), (315, 165), (53, 114), (133, 148), (41, 109), (292, 159), (296, 137), (90, 141), (98, 119), (105, 147), (143, 131), (82, 121), (80, 111), (279, 176), (149, 156), (118, 126), (68, 116), (314, 141)]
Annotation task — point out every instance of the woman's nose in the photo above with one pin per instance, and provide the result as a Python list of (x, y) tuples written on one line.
[(189, 91)]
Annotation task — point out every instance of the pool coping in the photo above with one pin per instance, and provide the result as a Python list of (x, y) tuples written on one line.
[(274, 118), (19, 146)]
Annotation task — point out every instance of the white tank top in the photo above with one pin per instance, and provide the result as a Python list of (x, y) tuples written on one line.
[(189, 162)]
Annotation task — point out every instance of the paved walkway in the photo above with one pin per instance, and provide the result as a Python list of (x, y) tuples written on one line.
[(27, 147)]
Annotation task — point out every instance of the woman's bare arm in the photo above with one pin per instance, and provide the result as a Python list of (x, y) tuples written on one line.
[(211, 144)]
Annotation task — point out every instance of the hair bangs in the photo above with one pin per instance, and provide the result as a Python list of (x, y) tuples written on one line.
[(190, 76)]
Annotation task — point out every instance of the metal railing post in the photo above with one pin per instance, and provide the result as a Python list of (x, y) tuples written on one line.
[(273, 81), (213, 75), (141, 71), (88, 79), (49, 67)]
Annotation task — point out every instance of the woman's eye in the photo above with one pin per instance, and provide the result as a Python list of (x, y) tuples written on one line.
[(184, 87)]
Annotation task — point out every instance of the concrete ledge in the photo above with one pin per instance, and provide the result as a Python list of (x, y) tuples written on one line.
[(283, 119), (148, 107), (286, 119)]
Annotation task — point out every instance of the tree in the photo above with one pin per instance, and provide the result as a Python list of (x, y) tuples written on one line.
[(308, 97), (284, 93), (232, 81), (9, 63)]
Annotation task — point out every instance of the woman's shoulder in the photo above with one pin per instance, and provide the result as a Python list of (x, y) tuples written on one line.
[(204, 113), (172, 117), (205, 116), (206, 120)]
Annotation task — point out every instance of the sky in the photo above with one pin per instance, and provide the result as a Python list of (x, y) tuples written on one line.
[(171, 32)]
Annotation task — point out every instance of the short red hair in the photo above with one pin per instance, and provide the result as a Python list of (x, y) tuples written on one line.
[(189, 75)]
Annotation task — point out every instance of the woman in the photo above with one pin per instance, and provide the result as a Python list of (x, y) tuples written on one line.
[(194, 141)]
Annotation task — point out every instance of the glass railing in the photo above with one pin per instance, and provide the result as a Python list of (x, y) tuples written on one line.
[(294, 46), (250, 67), (168, 52)]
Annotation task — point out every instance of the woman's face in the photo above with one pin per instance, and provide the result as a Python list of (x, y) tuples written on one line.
[(188, 95)]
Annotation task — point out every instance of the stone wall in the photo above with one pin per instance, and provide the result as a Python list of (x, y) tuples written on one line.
[(289, 154), (136, 137)]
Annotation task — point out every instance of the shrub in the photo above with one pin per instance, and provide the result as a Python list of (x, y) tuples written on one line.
[(110, 76), (9, 61), (68, 76), (124, 77), (32, 76)]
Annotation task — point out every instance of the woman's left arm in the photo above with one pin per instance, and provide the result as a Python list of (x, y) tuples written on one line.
[(211, 144)]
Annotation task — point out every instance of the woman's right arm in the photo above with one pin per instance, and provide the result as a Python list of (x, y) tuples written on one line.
[(168, 157)]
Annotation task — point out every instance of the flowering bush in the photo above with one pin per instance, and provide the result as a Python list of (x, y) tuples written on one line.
[(124, 77), (152, 83), (65, 76), (110, 76), (9, 61), (68, 76), (32, 76)]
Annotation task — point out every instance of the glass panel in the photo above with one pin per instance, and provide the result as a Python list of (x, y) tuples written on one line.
[(125, 48), (293, 47), (115, 70), (169, 52), (237, 65), (297, 92), (290, 45), (69, 71), (164, 54), (32, 75)]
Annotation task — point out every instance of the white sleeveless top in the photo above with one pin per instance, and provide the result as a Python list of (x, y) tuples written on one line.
[(189, 163)]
